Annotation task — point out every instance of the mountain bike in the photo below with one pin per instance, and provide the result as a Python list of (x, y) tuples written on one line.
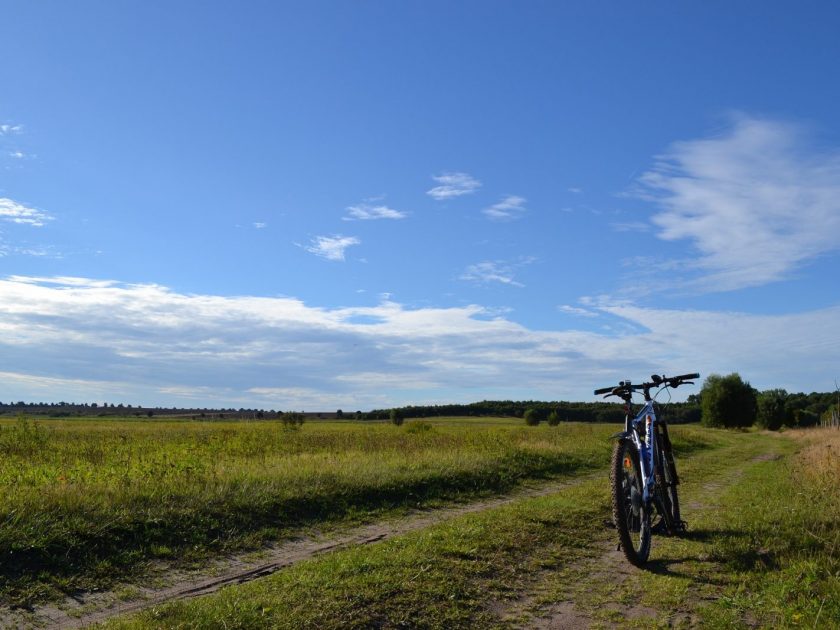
[(643, 475)]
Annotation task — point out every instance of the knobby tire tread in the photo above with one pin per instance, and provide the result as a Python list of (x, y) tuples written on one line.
[(637, 558)]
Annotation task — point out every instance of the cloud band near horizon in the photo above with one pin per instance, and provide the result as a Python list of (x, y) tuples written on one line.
[(87, 340)]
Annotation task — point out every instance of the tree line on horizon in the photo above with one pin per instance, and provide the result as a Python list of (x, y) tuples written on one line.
[(724, 401), (537, 411)]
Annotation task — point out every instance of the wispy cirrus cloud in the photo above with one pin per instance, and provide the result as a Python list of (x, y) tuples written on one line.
[(14, 212), (82, 339), (576, 310), (369, 212), (757, 202), (510, 208), (630, 226), (453, 185), (495, 271), (331, 247)]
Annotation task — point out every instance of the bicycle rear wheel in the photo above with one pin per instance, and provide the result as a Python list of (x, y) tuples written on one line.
[(631, 516), (669, 481)]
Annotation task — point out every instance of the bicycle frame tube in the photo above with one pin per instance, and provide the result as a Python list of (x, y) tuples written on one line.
[(647, 429)]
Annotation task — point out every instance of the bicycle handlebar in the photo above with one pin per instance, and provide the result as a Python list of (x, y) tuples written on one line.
[(656, 381)]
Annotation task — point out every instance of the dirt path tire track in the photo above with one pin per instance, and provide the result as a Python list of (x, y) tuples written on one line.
[(91, 608)]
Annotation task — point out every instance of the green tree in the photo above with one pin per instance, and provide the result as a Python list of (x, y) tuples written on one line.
[(292, 420), (553, 418), (396, 416), (727, 401), (772, 409), (531, 417)]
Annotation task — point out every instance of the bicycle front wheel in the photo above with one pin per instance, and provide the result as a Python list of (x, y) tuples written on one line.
[(631, 516)]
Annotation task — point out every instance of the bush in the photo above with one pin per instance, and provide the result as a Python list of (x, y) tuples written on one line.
[(772, 410), (553, 418), (727, 401), (531, 417), (292, 420), (396, 417)]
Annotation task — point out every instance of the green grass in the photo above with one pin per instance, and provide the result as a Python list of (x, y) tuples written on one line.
[(778, 554), (88, 504), (761, 552), (445, 576), (85, 503), (763, 548), (455, 574)]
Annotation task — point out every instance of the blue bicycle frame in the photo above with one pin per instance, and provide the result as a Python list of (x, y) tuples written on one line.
[(644, 424)]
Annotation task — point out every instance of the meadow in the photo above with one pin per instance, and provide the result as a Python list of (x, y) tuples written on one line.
[(761, 552), (86, 502), (90, 505)]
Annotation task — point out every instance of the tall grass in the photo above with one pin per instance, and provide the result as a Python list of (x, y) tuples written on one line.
[(83, 503), (460, 573)]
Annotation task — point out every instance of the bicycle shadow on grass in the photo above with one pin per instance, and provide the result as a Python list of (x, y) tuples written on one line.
[(746, 559)]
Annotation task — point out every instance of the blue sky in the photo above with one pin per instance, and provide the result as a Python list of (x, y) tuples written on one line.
[(363, 204)]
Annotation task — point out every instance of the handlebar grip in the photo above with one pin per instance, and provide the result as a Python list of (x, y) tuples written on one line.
[(603, 390), (685, 377)]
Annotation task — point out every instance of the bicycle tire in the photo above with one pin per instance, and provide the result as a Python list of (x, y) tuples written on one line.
[(669, 477), (630, 515), (663, 493)]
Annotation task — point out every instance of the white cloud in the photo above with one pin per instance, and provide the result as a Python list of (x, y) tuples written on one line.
[(575, 190), (509, 208), (45, 387), (367, 212), (17, 155), (15, 212), (7, 129), (757, 202), (575, 310), (259, 225), (332, 247), (631, 226), (495, 271), (80, 339), (453, 185)]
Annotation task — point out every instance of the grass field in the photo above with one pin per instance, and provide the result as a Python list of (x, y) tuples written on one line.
[(89, 504), (762, 553), (83, 503)]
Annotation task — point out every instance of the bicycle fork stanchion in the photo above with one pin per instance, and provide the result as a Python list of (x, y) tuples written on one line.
[(645, 452)]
